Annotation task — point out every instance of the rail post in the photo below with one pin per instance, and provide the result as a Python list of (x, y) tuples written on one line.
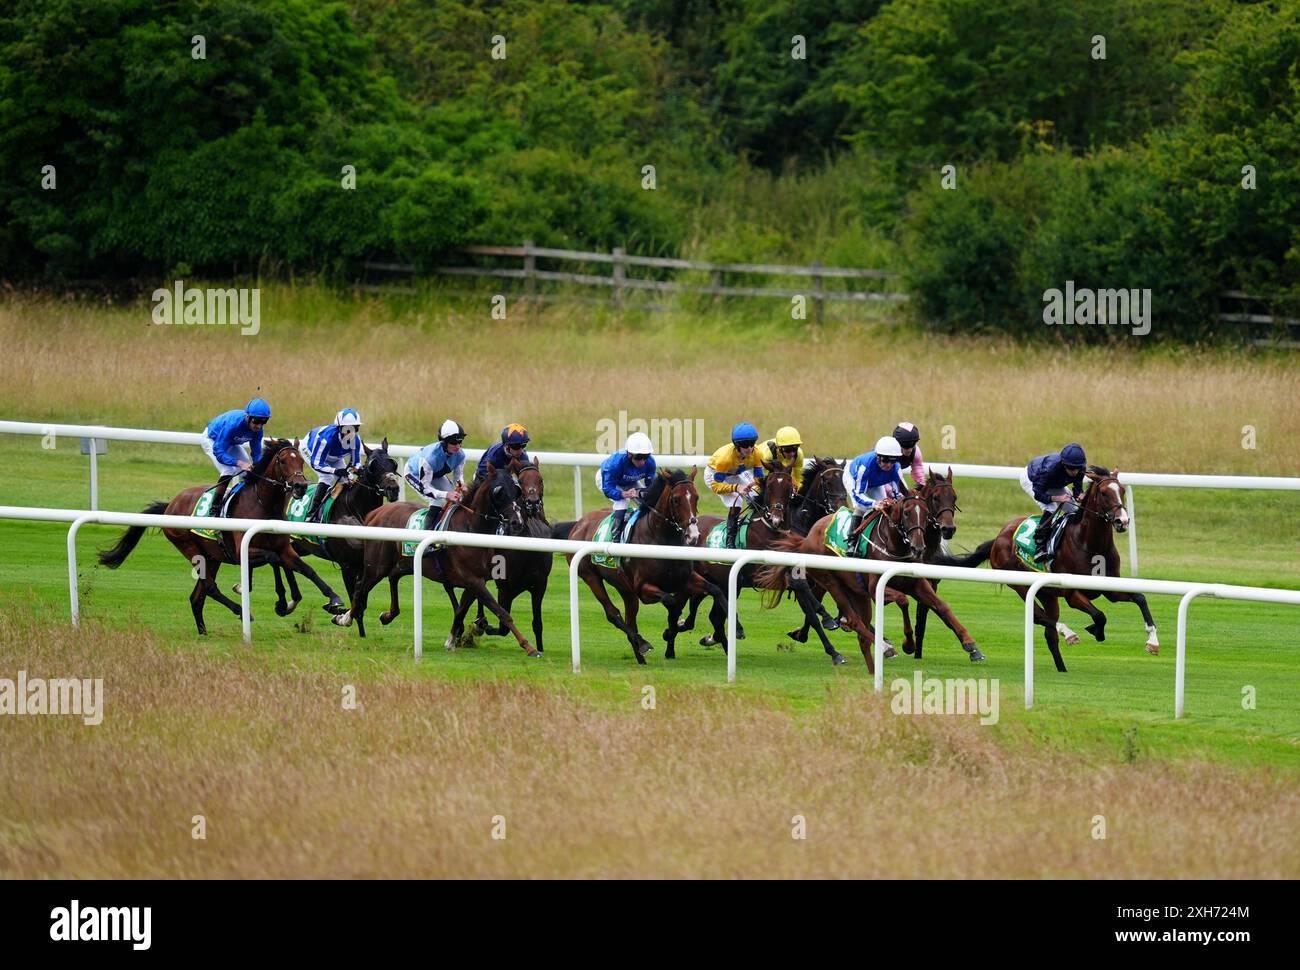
[(733, 591), (879, 650), (1180, 657), (577, 491), (1132, 535), (1034, 587), (574, 632), (73, 599), (246, 583), (417, 598)]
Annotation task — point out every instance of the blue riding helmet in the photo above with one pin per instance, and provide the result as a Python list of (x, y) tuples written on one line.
[(744, 434), (1073, 456), (257, 408), (514, 434)]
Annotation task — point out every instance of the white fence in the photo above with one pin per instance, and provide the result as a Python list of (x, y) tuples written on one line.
[(580, 460), (738, 559)]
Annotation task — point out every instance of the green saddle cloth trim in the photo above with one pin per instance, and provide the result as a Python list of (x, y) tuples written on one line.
[(1023, 543), (297, 512), (717, 537), (202, 508), (837, 534), (603, 533), (416, 520)]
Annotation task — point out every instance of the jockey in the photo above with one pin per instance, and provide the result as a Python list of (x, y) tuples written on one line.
[(626, 475), (514, 439), (333, 450), (437, 471), (867, 479), (785, 449), (907, 435), (732, 472), (1045, 480), (227, 440)]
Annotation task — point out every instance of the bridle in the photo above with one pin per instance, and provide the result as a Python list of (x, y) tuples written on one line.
[(283, 484), (671, 519), (905, 532), (777, 511), (816, 496)]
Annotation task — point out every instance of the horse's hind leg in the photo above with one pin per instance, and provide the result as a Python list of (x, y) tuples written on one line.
[(683, 625), (479, 588), (538, 593), (197, 596), (808, 602), (901, 601), (394, 606)]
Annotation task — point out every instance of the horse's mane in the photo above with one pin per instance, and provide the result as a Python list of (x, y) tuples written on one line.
[(656, 490), (1100, 471), (270, 448)]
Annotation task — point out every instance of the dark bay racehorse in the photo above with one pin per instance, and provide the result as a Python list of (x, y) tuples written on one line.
[(493, 504), (357, 498), (899, 537), (668, 517), (521, 572), (1088, 542), (274, 475)]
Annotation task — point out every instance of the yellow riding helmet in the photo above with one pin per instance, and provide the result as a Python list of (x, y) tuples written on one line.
[(788, 437)]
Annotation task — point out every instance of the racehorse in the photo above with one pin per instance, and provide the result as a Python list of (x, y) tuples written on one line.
[(276, 473), (524, 571), (667, 516), (1087, 542), (492, 505), (357, 499), (899, 537)]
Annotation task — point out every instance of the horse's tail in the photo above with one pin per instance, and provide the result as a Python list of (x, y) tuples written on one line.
[(981, 554), (772, 579), (112, 558), (561, 530)]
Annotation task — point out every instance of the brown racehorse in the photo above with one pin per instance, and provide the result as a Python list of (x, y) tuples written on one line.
[(899, 537), (276, 473), (357, 498), (524, 571), (1085, 545), (668, 517), (492, 504)]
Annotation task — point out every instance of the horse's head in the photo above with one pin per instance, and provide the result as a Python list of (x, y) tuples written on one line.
[(908, 516), (677, 501), (281, 462), (941, 498), (499, 495), (380, 472), (823, 488), (778, 491), (1105, 497), (529, 477)]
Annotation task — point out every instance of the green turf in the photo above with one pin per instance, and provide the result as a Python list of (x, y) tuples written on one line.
[(1116, 702)]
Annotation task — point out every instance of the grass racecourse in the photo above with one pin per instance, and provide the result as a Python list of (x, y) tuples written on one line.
[(439, 759)]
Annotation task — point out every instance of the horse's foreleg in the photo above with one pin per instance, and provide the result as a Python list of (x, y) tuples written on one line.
[(292, 560), (1079, 600), (901, 601), (855, 622), (394, 605), (923, 592), (479, 588), (538, 593), (1153, 641), (803, 595)]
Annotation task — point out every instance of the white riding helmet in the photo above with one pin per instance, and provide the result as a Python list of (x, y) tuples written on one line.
[(450, 429), (888, 447), (347, 416), (638, 443)]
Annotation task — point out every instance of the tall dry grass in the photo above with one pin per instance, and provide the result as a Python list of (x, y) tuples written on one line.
[(407, 364), (706, 785)]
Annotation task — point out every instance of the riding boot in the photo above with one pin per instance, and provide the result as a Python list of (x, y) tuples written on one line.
[(219, 495), (733, 525), (855, 524), (1041, 536), (616, 533), (317, 497), (1058, 531)]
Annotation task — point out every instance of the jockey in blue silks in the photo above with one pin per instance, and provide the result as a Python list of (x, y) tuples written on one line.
[(437, 471), (1045, 480), (514, 441), (626, 475), (233, 441), (867, 480), (333, 450)]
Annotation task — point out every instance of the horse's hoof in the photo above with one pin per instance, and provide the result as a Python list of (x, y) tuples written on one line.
[(837, 659), (386, 618), (479, 628), (798, 636), (681, 623), (293, 605), (890, 653), (449, 645), (282, 609), (670, 654), (1098, 631), (530, 650), (1153, 649), (908, 647), (740, 633), (1073, 640), (974, 651), (343, 619)]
